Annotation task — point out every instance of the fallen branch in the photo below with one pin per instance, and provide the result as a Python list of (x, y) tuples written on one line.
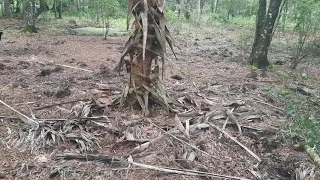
[(182, 141), (112, 160), (72, 67), (236, 141), (61, 103), (190, 114), (99, 118), (8, 117), (27, 103), (185, 171), (118, 161), (67, 102), (234, 119), (22, 117), (260, 101)]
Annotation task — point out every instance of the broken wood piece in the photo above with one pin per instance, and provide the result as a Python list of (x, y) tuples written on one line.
[(236, 141), (234, 119)]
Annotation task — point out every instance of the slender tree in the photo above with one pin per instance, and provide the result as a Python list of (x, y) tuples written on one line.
[(216, 3), (198, 18), (259, 26), (30, 17), (6, 8), (33, 14), (260, 48), (18, 8)]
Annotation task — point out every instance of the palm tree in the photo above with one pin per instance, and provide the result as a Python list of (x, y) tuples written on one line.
[(145, 48)]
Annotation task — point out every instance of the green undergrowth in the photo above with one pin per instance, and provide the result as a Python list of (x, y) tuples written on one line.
[(83, 25), (302, 110)]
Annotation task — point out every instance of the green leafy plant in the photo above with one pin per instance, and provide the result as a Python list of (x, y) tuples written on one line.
[(303, 117), (283, 74), (254, 68), (272, 67)]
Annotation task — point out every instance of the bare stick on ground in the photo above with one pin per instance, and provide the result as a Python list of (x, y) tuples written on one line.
[(22, 117), (236, 141)]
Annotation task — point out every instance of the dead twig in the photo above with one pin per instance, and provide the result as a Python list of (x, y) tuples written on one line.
[(120, 162), (112, 160), (26, 103), (260, 101), (22, 117), (8, 117), (99, 118), (62, 103), (190, 114), (234, 119), (236, 141), (184, 171), (72, 67), (182, 141), (226, 121)]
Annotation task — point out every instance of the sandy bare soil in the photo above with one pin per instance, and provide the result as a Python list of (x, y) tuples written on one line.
[(46, 69)]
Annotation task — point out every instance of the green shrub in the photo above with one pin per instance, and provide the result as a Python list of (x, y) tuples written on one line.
[(172, 16), (303, 115)]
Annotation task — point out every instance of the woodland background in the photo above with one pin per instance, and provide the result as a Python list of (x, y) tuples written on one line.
[(230, 89)]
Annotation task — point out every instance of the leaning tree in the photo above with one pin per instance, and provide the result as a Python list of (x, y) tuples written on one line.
[(146, 49)]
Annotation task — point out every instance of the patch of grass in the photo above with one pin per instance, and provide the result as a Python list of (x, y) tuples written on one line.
[(245, 21), (93, 31), (172, 16), (119, 23), (303, 114)]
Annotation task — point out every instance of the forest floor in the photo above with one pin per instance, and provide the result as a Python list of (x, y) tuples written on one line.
[(72, 72)]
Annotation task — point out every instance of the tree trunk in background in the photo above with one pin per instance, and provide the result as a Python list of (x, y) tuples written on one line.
[(55, 8), (259, 25), (6, 8), (78, 5), (97, 10), (259, 56), (202, 3), (43, 7), (198, 20), (60, 9), (216, 3), (18, 8), (181, 9), (30, 17)]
